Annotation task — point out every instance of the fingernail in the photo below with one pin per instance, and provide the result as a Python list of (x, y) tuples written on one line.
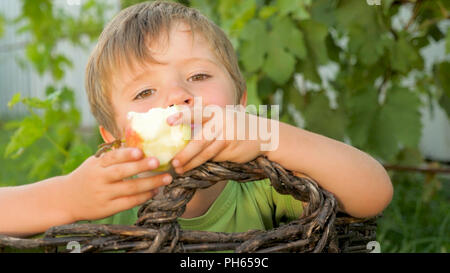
[(167, 179), (175, 163), (152, 163)]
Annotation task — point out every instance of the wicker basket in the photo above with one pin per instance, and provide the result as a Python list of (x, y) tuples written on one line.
[(320, 229)]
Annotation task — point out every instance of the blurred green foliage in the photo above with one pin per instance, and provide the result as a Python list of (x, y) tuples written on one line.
[(367, 102), (56, 123), (52, 123), (2, 22)]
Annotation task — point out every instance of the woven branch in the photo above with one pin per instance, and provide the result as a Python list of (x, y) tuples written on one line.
[(320, 229)]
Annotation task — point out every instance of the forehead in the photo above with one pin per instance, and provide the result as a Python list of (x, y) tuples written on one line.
[(178, 46)]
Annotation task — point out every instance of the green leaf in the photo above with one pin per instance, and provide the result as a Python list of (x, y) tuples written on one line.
[(381, 129), (363, 107), (386, 4), (289, 36), (351, 12), (42, 168), (34, 102), (444, 102), (2, 23), (293, 96), (266, 87), (267, 11), (323, 11), (235, 14), (308, 68), (368, 130), (295, 7), (404, 57), (402, 107), (447, 41), (368, 43), (279, 64), (321, 119), (332, 49), (252, 92), (14, 100), (315, 34), (30, 130), (77, 154), (382, 141), (253, 49), (442, 77), (367, 38)]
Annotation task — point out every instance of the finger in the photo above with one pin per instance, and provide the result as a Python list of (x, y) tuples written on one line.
[(120, 155), (124, 170), (140, 185), (194, 147), (210, 152), (189, 115), (191, 150), (131, 201)]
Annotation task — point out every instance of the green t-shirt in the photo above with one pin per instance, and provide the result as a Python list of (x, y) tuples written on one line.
[(239, 208)]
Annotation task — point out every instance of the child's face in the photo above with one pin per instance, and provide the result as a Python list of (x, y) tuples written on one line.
[(185, 69)]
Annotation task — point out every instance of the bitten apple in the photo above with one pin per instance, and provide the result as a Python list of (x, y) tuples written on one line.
[(150, 132)]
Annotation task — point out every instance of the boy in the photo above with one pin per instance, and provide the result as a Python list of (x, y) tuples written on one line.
[(161, 54)]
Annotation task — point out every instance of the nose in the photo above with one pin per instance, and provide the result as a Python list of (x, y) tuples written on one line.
[(179, 96)]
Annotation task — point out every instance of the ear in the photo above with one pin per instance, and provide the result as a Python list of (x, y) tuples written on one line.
[(243, 100), (106, 135)]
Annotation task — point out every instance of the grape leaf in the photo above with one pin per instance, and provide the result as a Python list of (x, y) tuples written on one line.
[(321, 119), (404, 57), (279, 64), (289, 36), (382, 128), (315, 34), (252, 93), (402, 108), (14, 100), (31, 129), (363, 107), (253, 49)]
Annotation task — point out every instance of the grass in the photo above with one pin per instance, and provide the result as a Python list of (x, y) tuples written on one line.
[(417, 220)]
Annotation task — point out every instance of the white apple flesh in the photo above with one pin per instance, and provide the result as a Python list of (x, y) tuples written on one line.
[(150, 132)]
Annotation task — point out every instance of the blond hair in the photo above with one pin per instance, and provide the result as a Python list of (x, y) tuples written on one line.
[(124, 42)]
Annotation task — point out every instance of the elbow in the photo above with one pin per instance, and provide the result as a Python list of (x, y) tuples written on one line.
[(376, 201), (381, 203)]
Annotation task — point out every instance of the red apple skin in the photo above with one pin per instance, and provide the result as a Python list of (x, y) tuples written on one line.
[(133, 139)]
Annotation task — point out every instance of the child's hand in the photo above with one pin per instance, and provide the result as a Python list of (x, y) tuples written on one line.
[(216, 146), (98, 189)]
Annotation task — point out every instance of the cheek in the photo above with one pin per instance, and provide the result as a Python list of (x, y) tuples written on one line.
[(218, 94)]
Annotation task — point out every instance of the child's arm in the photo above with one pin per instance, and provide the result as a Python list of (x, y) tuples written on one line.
[(359, 182), (361, 185), (94, 190)]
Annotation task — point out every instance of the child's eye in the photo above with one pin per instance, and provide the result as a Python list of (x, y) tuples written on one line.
[(199, 77), (145, 93)]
